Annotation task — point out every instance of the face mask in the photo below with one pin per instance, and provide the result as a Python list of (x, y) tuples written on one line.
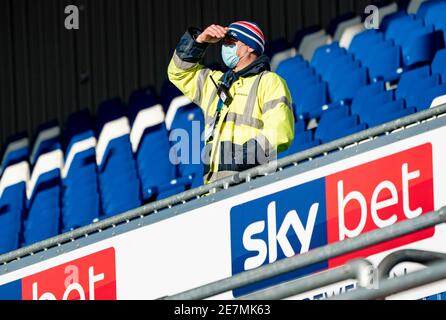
[(229, 55)]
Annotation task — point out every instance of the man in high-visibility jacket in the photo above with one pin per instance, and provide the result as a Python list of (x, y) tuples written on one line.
[(247, 110)]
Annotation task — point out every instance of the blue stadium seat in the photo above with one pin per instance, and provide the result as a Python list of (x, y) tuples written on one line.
[(401, 25), (16, 149), (384, 61), (409, 79), (364, 93), (44, 189), (186, 126), (331, 116), (362, 42), (421, 45), (80, 202), (289, 67), (425, 97), (368, 104), (346, 86), (118, 179), (377, 115), (389, 116), (389, 19), (427, 7), (342, 127), (436, 18), (418, 90), (312, 100), (149, 136), (13, 181), (323, 56), (439, 64), (336, 64)]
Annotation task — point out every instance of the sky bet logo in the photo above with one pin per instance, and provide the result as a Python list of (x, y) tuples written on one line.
[(340, 206), (88, 278)]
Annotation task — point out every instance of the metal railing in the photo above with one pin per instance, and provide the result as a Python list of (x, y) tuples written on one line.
[(360, 270), (314, 256), (245, 176), (433, 273)]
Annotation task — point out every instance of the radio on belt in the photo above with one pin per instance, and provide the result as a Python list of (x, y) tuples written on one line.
[(223, 93)]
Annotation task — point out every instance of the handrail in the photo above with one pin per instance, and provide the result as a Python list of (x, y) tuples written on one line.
[(433, 273), (407, 255), (314, 256), (224, 183), (360, 270)]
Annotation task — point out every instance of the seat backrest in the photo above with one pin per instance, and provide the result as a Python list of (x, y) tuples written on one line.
[(115, 160), (364, 93), (149, 136), (80, 197), (16, 149), (186, 132), (373, 101), (12, 204), (409, 79), (427, 7), (44, 188), (427, 97), (439, 64)]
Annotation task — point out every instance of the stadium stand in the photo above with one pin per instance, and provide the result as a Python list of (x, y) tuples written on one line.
[(347, 75)]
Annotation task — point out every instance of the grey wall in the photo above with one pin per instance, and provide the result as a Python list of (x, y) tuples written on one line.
[(47, 72)]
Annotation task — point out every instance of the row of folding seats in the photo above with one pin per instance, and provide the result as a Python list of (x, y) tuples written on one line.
[(349, 86), (75, 176)]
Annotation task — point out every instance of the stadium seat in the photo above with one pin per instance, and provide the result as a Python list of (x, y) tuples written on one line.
[(323, 55), (369, 105), (114, 158), (380, 112), (364, 94), (426, 97), (362, 42), (185, 122), (13, 182), (187, 144), (377, 119), (426, 7), (43, 192), (346, 86), (80, 200), (343, 127), (149, 136), (384, 61), (439, 64), (331, 116), (418, 90), (421, 45), (312, 100), (408, 80)]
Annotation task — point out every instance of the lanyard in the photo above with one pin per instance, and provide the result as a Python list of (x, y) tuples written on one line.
[(224, 99)]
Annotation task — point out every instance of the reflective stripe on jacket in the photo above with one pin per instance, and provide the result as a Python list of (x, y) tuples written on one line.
[(258, 124)]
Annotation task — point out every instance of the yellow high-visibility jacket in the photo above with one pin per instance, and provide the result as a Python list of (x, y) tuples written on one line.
[(258, 124)]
